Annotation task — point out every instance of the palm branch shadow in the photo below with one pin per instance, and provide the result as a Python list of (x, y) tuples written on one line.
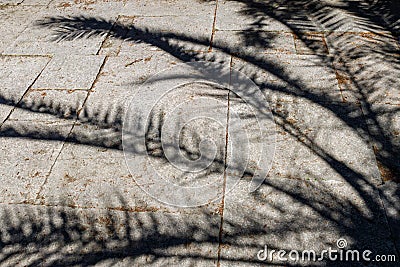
[(345, 215)]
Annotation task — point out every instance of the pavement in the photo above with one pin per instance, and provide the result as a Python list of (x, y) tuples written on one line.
[(329, 71)]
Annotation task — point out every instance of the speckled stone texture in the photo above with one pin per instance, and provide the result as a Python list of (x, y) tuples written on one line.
[(329, 71)]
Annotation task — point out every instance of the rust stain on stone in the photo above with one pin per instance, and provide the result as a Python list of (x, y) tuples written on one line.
[(368, 35), (343, 83), (387, 174), (291, 121), (69, 178), (105, 220), (138, 60), (65, 5)]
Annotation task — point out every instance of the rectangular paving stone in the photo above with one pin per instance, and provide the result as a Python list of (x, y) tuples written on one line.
[(76, 177), (252, 43), (173, 33), (70, 72), (310, 44), (167, 8), (129, 47), (377, 41), (106, 237), (90, 174), (107, 9), (17, 74), (118, 81), (39, 126), (159, 38), (296, 215), (313, 142), (191, 26), (129, 36), (91, 145), (336, 140), (294, 67), (232, 15), (290, 76), (342, 20), (116, 85), (88, 135), (28, 151), (133, 67), (299, 22), (381, 85), (10, 30), (296, 160), (368, 76), (54, 38), (52, 47), (36, 40)]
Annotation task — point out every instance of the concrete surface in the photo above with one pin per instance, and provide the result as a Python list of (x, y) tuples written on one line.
[(329, 70)]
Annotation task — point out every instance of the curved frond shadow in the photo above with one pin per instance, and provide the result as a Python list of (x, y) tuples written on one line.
[(363, 59)]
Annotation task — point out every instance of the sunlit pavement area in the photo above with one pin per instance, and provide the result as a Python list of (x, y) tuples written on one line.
[(329, 71)]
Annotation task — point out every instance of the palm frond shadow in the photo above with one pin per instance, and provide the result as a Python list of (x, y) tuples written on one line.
[(69, 235), (145, 241)]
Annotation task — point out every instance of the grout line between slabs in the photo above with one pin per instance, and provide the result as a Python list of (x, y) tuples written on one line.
[(52, 165), (108, 35), (225, 167), (114, 209), (72, 128), (24, 94), (213, 27)]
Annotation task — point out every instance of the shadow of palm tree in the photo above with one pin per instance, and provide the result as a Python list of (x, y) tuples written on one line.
[(360, 106)]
